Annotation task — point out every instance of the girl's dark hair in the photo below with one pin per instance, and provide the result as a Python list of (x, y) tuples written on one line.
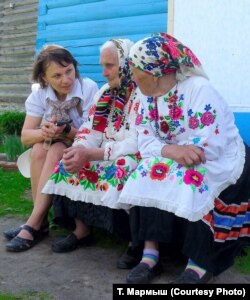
[(48, 54)]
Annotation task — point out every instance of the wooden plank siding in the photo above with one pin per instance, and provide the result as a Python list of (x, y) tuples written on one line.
[(79, 25), (18, 28), (82, 26)]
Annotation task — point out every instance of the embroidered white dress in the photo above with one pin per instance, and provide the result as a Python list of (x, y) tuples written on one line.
[(200, 117), (100, 182)]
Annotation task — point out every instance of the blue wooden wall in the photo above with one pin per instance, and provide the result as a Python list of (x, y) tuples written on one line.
[(242, 120), (83, 25)]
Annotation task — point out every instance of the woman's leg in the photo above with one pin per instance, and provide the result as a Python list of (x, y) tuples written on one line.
[(81, 236), (150, 253), (149, 266), (81, 230), (151, 245), (37, 161), (42, 201)]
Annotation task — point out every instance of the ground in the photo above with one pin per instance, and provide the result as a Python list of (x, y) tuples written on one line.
[(82, 274)]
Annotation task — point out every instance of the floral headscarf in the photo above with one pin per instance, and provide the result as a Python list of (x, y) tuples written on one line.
[(162, 54), (119, 94)]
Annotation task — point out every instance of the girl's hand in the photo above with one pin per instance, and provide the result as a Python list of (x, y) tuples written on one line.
[(49, 128)]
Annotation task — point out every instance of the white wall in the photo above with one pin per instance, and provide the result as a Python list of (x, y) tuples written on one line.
[(218, 32)]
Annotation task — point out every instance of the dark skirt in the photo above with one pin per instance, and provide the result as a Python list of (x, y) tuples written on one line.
[(213, 242), (114, 221)]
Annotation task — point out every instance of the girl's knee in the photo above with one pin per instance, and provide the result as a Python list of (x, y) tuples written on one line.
[(38, 152), (55, 152)]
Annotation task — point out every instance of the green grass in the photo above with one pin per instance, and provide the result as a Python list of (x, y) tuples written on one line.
[(15, 199), (13, 146), (1, 148), (242, 263)]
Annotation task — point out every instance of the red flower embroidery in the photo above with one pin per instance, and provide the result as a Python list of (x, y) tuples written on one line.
[(193, 122), (164, 127), (193, 177), (138, 119), (138, 155), (172, 99), (120, 173), (159, 171), (176, 113), (70, 180), (119, 187), (164, 60), (121, 162), (86, 165), (207, 118), (91, 176), (153, 114), (81, 175)]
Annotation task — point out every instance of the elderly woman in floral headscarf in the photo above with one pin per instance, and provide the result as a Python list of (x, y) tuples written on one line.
[(193, 173), (104, 154)]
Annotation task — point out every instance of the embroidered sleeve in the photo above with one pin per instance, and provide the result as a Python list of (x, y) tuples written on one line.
[(209, 121), (115, 149), (88, 138)]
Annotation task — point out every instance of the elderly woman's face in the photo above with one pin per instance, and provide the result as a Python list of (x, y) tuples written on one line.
[(110, 67), (147, 83)]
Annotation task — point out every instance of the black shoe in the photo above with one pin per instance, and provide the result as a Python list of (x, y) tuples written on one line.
[(189, 276), (71, 242), (142, 273), (13, 232), (18, 244), (130, 258)]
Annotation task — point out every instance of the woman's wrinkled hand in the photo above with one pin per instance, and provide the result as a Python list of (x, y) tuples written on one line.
[(186, 155), (74, 158)]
